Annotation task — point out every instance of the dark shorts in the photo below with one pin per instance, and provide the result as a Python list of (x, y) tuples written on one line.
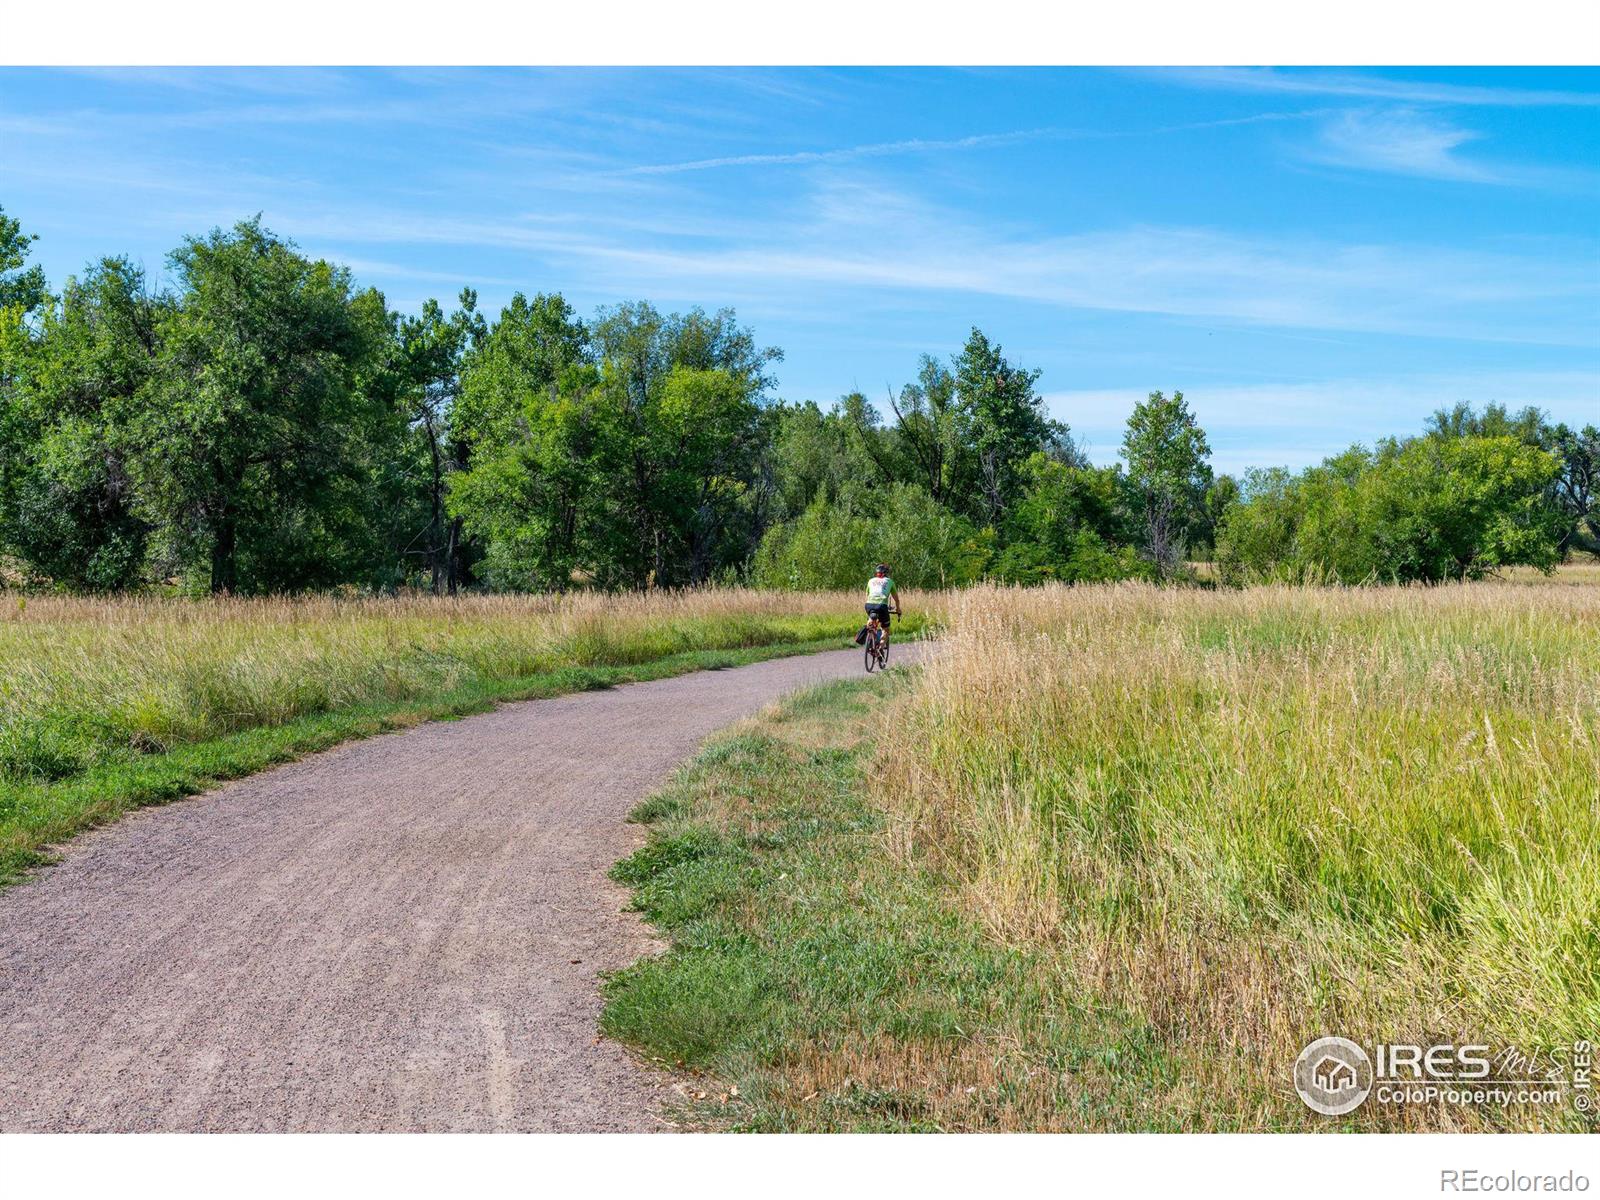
[(881, 611)]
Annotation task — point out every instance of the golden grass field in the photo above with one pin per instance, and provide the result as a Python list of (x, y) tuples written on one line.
[(81, 676), (1185, 831), (1251, 818), (107, 704)]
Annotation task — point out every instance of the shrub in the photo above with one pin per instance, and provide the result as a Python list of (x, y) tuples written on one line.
[(834, 544)]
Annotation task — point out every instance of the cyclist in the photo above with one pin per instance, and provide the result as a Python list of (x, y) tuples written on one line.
[(880, 592)]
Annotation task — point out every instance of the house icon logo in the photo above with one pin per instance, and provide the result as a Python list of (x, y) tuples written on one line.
[(1333, 1076)]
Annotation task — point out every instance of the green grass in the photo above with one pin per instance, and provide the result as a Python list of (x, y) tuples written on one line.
[(1120, 853), (1261, 817), (816, 984), (36, 813)]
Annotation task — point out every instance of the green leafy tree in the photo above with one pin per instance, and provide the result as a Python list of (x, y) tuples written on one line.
[(1223, 494), (251, 447), (1070, 525), (430, 348), (931, 427), (835, 543), (1256, 535), (684, 501), (22, 288), (814, 454), (1459, 509), (1167, 453), (1003, 423), (874, 448), (709, 431), (1424, 510), (1576, 491), (1573, 493), (630, 453), (528, 418), (67, 502)]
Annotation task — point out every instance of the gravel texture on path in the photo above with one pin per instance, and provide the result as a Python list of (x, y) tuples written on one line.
[(400, 934)]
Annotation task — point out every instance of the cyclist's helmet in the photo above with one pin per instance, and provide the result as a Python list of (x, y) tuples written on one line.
[(883, 569)]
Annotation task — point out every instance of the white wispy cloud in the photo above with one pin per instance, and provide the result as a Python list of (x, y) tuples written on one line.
[(1372, 87), (854, 238), (1402, 141), (847, 153), (1408, 141), (283, 81), (368, 270), (871, 238), (934, 145)]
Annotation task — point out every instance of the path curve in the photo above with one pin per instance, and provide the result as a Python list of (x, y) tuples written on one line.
[(401, 934)]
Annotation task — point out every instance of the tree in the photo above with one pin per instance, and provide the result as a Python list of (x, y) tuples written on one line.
[(1166, 452), (930, 427), (67, 502), (1424, 510), (871, 446), (1573, 492), (1459, 509), (630, 453), (251, 445), (526, 421), (814, 453), (430, 350), (1220, 498), (710, 434), (22, 289), (1256, 535), (1004, 423), (834, 543), (1068, 526), (686, 501), (1576, 491)]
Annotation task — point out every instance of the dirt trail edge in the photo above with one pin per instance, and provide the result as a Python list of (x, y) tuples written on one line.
[(400, 934)]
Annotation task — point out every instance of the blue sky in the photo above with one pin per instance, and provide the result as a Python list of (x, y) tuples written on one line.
[(1314, 257)]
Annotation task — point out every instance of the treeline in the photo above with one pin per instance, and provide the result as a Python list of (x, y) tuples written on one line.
[(1475, 492), (261, 424)]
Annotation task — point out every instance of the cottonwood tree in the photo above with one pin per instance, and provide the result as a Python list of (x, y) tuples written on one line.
[(815, 454), (1576, 490), (1573, 492), (1003, 423), (1166, 452), (931, 428), (1070, 524), (1423, 510), (525, 415), (629, 453), (67, 503), (22, 288), (251, 446), (430, 348), (681, 495)]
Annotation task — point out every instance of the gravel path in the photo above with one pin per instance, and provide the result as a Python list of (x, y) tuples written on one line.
[(400, 934)]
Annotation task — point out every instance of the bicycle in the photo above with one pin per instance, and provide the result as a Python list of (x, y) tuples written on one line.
[(877, 646)]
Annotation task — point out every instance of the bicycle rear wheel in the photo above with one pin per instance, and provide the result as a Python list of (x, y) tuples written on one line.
[(872, 652)]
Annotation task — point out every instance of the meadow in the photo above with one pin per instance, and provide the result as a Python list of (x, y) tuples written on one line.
[(1115, 854), (107, 704), (1107, 861)]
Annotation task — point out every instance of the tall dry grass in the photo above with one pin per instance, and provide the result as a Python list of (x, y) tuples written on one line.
[(1254, 818), (84, 679)]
